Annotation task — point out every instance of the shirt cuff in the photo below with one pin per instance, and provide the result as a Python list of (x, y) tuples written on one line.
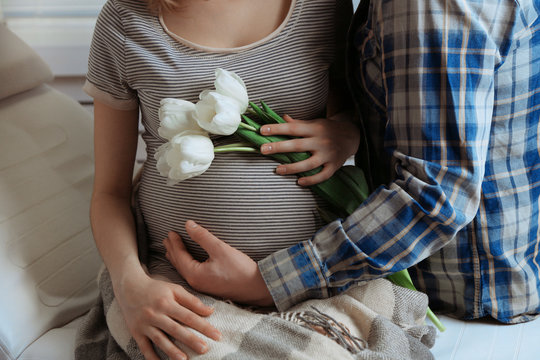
[(293, 275), (108, 99)]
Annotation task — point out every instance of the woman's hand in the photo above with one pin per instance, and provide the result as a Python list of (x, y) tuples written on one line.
[(330, 142), (227, 273), (154, 309)]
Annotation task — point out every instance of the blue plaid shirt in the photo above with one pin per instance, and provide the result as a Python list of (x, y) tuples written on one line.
[(449, 93)]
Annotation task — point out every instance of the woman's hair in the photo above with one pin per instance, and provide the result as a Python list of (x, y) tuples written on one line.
[(157, 5)]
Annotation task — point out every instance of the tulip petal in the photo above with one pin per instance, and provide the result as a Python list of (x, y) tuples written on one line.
[(175, 116), (217, 113), (188, 154), (229, 84)]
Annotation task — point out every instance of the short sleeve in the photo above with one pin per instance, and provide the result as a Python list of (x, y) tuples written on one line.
[(106, 79)]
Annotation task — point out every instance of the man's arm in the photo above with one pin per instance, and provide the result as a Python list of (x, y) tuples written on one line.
[(435, 73)]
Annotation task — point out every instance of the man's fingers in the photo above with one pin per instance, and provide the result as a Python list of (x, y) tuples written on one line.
[(178, 255), (211, 244)]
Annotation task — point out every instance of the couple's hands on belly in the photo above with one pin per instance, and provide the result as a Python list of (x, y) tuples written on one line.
[(330, 142), (154, 309), (227, 273)]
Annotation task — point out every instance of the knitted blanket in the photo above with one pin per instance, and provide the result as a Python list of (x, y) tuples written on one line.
[(377, 320)]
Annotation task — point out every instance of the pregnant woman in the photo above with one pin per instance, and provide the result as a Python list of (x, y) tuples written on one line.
[(143, 52)]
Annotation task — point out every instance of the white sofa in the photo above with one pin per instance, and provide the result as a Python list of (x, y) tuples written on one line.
[(48, 261)]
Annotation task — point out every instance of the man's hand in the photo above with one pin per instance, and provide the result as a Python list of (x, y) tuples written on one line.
[(227, 273)]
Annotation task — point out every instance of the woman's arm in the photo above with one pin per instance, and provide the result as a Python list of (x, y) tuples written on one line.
[(153, 308)]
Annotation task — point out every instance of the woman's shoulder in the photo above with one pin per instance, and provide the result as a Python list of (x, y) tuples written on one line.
[(120, 9)]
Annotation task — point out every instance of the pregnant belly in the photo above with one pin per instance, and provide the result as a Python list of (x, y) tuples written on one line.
[(239, 199)]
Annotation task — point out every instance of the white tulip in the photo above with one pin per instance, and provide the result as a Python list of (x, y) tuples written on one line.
[(188, 154), (217, 113), (175, 116), (229, 84)]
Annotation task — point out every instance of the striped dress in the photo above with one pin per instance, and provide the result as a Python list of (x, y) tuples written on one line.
[(135, 61)]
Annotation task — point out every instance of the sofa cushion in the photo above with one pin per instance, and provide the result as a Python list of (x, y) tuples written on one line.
[(21, 68), (487, 339), (55, 344), (48, 258)]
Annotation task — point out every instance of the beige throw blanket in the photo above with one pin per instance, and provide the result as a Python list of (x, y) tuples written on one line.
[(378, 320)]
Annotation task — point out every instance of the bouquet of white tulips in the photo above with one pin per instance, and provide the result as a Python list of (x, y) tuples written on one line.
[(189, 150)]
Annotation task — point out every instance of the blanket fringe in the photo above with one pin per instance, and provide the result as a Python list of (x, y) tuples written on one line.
[(326, 325)]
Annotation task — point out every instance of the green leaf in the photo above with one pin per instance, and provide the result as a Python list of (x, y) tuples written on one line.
[(327, 215), (272, 113), (258, 140), (355, 181), (264, 117), (250, 122), (335, 192), (403, 279), (357, 175)]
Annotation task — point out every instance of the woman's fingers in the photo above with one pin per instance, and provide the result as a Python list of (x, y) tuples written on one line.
[(166, 345), (146, 347), (302, 166), (321, 176), (191, 302), (183, 335), (298, 167), (294, 145), (175, 319), (292, 127), (189, 312)]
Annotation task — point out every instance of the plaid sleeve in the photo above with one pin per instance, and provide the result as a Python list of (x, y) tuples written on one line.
[(431, 75)]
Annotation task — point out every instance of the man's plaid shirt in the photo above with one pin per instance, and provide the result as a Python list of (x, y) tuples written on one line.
[(449, 93)]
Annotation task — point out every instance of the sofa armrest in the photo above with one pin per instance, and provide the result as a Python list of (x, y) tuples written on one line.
[(48, 260)]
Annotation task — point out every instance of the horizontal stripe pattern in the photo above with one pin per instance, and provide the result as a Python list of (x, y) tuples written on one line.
[(135, 62)]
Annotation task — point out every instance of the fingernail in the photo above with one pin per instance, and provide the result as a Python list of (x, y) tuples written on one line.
[(202, 348), (265, 130), (281, 170), (265, 148), (216, 335), (301, 182), (192, 224)]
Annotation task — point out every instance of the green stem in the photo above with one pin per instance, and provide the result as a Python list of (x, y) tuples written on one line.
[(435, 320), (246, 126), (233, 145), (226, 149)]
